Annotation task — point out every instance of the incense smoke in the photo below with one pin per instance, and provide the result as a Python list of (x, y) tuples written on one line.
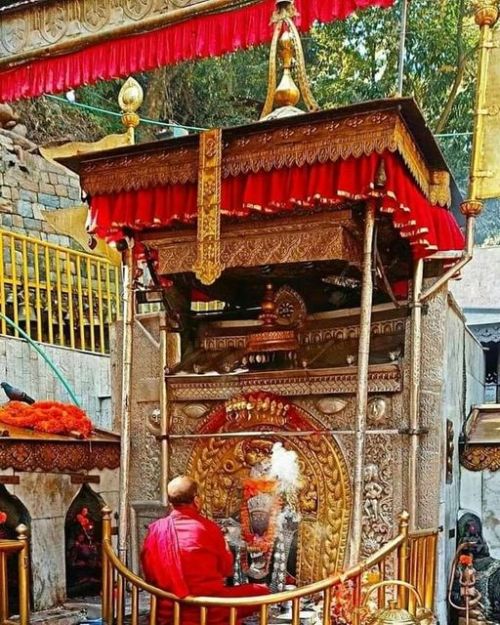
[(284, 467)]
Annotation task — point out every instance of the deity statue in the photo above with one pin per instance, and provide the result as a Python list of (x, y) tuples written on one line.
[(373, 491), (84, 559), (266, 535), (487, 569), (4, 535)]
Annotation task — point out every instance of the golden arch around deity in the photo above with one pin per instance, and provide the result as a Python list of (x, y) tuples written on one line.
[(240, 493)]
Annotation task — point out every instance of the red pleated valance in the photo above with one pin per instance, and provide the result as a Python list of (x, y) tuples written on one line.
[(428, 228), (198, 37)]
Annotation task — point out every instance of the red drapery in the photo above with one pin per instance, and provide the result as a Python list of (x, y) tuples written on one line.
[(198, 37), (428, 228)]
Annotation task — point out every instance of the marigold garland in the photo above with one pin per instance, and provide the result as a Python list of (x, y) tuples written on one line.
[(50, 417)]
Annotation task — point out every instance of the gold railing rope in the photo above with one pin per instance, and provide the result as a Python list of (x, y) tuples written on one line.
[(396, 553), (57, 295), (8, 549)]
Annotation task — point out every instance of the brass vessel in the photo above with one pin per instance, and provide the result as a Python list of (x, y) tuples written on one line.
[(393, 614)]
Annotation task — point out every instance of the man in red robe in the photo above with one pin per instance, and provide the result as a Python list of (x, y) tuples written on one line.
[(187, 554)]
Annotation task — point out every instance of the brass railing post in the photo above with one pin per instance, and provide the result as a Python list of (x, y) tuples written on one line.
[(403, 555), (4, 596), (107, 592), (24, 576)]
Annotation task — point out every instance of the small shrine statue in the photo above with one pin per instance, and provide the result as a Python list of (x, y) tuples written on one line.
[(4, 534), (84, 552), (487, 570)]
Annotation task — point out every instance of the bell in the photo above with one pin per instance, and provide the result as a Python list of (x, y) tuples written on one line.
[(391, 615)]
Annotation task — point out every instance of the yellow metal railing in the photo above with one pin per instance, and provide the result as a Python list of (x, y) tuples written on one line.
[(397, 560), (57, 295), (9, 549)]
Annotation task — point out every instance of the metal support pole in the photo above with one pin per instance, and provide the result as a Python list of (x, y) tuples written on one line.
[(415, 377), (164, 420), (402, 46), (362, 390), (403, 560), (128, 329)]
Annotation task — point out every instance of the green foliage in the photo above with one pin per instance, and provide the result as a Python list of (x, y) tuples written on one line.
[(348, 61)]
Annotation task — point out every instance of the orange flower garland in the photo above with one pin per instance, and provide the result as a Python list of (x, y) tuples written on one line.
[(50, 417)]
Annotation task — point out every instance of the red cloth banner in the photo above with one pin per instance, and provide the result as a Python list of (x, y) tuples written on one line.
[(198, 37), (428, 228)]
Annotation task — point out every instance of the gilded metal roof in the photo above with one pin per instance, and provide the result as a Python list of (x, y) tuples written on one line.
[(483, 425)]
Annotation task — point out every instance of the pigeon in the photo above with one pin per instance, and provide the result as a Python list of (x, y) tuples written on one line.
[(15, 394)]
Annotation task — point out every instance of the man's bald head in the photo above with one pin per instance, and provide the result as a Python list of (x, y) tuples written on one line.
[(182, 490)]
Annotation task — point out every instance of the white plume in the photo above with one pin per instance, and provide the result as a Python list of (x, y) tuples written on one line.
[(284, 467)]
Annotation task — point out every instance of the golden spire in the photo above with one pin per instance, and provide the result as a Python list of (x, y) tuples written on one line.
[(287, 93), (130, 99), (287, 45)]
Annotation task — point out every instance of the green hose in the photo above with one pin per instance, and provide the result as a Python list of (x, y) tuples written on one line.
[(47, 359)]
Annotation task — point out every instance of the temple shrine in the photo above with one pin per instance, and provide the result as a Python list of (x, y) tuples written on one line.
[(303, 359)]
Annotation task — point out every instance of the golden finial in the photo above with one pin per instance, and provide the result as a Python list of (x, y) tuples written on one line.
[(130, 99), (486, 12), (287, 92), (287, 46)]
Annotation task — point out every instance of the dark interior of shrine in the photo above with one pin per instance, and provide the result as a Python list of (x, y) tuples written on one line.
[(83, 533), (308, 296)]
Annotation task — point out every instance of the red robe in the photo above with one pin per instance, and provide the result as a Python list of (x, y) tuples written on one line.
[(186, 554)]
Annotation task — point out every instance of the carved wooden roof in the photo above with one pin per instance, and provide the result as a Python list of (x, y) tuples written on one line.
[(24, 450), (394, 124)]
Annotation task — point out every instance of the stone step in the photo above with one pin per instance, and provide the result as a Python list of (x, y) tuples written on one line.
[(55, 616)]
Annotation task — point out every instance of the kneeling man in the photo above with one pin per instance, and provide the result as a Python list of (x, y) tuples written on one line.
[(187, 554)]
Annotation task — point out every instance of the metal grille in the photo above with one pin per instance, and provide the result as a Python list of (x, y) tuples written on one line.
[(57, 295)]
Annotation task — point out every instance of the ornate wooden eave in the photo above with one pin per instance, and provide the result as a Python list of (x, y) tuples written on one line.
[(308, 238), (480, 447), (394, 125), (24, 450), (385, 378), (43, 28)]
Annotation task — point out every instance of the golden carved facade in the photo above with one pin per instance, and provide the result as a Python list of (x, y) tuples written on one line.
[(221, 465), (208, 266), (312, 238)]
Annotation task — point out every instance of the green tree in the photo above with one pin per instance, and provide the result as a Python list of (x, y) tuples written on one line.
[(348, 61)]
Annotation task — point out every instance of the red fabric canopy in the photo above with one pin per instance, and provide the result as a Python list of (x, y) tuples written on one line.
[(198, 37), (428, 228)]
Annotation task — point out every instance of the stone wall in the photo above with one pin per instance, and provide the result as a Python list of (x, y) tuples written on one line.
[(88, 374), (47, 497), (28, 185), (463, 362)]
